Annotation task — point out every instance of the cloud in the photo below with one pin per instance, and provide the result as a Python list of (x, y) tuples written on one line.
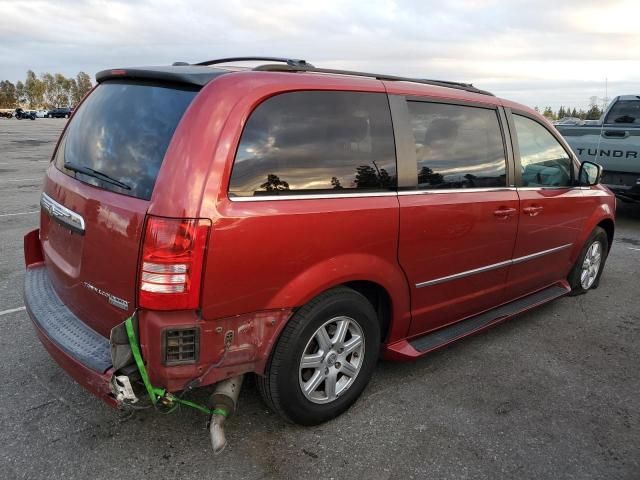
[(537, 52)]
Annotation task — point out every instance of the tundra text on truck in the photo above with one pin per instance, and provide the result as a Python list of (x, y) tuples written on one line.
[(200, 223), (614, 143)]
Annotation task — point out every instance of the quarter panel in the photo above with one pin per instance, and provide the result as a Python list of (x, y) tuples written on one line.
[(281, 253)]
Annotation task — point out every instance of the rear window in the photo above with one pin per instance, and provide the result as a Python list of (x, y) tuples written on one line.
[(316, 142), (624, 111), (122, 131)]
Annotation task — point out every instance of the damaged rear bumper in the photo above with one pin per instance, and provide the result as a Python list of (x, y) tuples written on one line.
[(83, 353), (234, 345)]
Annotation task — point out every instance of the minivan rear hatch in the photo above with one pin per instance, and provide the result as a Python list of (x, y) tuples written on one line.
[(97, 192)]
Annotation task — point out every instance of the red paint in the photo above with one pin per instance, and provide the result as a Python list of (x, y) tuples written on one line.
[(559, 223), (106, 256), (265, 259), (442, 235), (32, 249)]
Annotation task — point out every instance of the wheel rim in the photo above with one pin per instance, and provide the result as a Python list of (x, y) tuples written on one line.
[(591, 265), (331, 360)]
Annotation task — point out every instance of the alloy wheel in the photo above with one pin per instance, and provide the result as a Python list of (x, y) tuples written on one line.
[(331, 360), (591, 265)]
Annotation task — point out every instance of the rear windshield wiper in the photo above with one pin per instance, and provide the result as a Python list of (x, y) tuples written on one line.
[(96, 174)]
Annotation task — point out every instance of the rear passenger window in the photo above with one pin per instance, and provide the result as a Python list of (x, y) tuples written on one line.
[(543, 160), (316, 142), (457, 146)]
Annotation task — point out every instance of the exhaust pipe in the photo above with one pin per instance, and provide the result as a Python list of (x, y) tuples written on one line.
[(225, 402)]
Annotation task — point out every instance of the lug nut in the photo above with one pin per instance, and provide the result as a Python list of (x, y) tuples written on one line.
[(338, 365)]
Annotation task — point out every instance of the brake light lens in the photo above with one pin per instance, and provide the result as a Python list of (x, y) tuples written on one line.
[(172, 261)]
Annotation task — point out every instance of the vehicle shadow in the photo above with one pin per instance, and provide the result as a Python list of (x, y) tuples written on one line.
[(627, 211)]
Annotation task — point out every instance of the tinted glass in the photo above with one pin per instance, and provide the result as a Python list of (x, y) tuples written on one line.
[(457, 146), (544, 162), (123, 131), (316, 142), (624, 111)]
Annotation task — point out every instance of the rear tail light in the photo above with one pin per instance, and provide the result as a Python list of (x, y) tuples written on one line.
[(172, 261), (180, 346)]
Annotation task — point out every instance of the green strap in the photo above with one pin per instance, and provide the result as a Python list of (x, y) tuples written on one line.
[(137, 356), (156, 393)]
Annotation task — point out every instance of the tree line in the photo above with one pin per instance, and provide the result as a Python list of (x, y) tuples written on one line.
[(593, 113), (45, 91)]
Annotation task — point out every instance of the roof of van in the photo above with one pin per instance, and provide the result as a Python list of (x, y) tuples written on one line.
[(202, 73)]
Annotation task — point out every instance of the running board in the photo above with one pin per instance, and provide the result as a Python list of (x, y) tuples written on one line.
[(434, 340)]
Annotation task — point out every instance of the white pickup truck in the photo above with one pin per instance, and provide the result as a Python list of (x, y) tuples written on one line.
[(614, 143)]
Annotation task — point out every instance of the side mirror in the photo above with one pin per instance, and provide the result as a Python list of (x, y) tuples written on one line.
[(590, 174)]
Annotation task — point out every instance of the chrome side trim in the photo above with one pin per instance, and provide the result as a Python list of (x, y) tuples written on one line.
[(326, 196), (533, 189), (455, 276), (493, 266), (62, 215), (456, 190), (540, 254), (312, 196)]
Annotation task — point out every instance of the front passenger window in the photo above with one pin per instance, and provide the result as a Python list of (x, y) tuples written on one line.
[(545, 163)]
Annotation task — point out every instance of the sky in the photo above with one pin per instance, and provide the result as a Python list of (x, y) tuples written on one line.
[(536, 52)]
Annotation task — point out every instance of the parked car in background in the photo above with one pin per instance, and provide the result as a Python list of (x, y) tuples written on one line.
[(568, 121), (6, 112), (294, 222), (42, 113), (21, 114), (614, 143), (60, 112)]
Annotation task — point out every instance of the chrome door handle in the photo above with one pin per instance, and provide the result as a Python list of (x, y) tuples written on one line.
[(532, 211), (505, 212)]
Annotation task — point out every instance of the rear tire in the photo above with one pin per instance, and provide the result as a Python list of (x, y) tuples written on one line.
[(586, 272), (337, 334)]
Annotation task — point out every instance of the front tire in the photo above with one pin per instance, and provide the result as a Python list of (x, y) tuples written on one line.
[(587, 270), (323, 359)]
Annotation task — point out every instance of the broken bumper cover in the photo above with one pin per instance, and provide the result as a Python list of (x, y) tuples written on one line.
[(83, 353)]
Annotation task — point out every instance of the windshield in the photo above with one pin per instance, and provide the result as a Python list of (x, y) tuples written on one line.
[(624, 111), (118, 137)]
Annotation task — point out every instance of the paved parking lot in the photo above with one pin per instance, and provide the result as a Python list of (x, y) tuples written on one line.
[(552, 394)]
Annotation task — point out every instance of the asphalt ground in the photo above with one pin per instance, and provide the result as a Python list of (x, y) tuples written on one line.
[(554, 393)]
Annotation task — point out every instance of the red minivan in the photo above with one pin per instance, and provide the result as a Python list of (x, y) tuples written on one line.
[(296, 223)]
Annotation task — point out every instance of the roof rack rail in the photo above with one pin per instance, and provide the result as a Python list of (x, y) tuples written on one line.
[(306, 67), (292, 62)]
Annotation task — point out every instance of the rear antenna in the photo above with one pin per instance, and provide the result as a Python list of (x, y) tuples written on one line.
[(595, 159)]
